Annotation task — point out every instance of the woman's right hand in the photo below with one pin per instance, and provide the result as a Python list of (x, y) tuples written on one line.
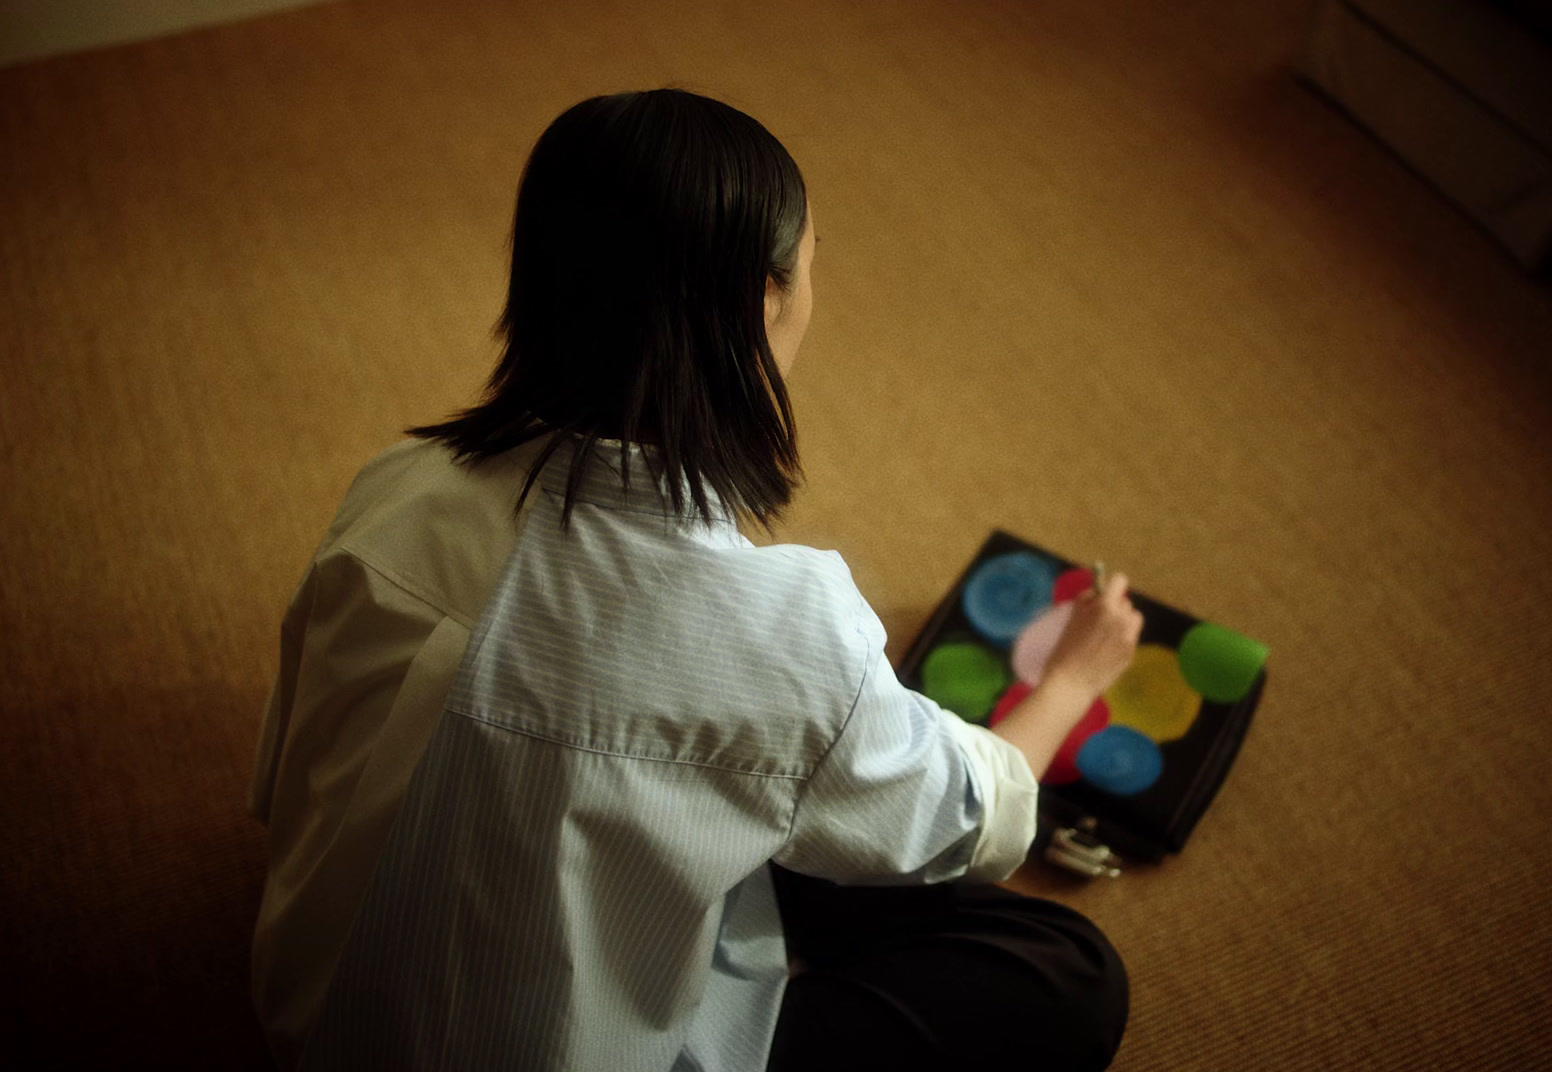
[(1100, 639)]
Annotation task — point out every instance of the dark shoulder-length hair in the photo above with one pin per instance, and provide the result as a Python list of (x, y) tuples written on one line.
[(647, 225)]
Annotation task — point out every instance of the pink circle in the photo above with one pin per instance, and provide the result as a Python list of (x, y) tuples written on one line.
[(1064, 765), (1035, 644)]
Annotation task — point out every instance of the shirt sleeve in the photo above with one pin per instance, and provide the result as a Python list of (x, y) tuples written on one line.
[(1009, 794), (282, 696), (909, 793)]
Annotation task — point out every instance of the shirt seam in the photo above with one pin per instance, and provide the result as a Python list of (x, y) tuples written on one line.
[(409, 587), (463, 712), (851, 710)]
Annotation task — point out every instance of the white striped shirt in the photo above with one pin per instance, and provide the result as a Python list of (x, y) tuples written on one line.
[(648, 711)]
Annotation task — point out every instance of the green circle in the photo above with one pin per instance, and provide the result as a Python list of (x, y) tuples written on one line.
[(965, 678), (1219, 663)]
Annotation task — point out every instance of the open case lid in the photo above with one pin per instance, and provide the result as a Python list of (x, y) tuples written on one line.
[(1141, 768)]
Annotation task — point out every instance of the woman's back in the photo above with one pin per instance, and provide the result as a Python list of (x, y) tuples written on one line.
[(649, 710)]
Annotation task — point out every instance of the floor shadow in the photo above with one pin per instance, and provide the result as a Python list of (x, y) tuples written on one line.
[(1377, 209), (133, 882)]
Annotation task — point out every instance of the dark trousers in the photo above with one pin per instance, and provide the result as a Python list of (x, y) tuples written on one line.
[(943, 977)]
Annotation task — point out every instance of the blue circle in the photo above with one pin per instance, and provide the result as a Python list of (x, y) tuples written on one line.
[(1006, 592), (1120, 761)]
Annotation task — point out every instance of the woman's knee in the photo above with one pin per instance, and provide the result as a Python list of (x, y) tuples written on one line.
[(1090, 1003)]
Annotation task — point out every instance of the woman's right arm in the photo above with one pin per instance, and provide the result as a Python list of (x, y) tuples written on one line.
[(1096, 647)]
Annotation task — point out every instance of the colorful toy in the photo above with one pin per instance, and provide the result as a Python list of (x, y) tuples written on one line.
[(1139, 770)]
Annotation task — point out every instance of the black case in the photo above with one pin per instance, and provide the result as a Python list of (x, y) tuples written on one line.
[(1158, 820)]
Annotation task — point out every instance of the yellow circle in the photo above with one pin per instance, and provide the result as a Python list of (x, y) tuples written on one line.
[(1152, 696)]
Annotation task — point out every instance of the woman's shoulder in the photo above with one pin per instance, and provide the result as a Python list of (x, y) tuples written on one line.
[(437, 527), (793, 583), (824, 566)]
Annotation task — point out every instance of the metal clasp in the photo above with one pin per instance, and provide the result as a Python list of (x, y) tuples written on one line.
[(1078, 850)]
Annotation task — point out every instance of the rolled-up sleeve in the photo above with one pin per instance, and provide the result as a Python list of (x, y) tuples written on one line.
[(1009, 796), (909, 793)]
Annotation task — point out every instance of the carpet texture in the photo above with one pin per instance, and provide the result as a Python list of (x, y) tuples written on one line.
[(1104, 275)]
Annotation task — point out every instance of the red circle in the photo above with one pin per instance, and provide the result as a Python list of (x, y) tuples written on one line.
[(1064, 765), (1072, 584), (1010, 699)]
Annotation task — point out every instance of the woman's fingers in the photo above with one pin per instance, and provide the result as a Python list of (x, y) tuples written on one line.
[(1115, 589)]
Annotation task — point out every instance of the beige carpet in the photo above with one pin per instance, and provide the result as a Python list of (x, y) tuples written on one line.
[(1104, 275)]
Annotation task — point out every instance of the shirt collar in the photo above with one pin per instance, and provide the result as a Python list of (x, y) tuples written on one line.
[(603, 485)]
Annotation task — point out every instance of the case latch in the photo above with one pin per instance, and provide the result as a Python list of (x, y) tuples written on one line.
[(1078, 850)]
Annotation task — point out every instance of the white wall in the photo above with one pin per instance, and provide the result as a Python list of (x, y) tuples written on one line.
[(30, 29)]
